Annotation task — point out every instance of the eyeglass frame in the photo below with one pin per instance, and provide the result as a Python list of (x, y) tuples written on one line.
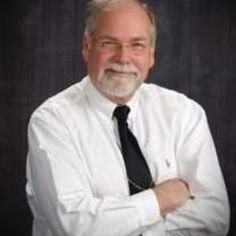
[(137, 46)]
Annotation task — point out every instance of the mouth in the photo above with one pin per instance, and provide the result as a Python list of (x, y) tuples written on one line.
[(119, 73)]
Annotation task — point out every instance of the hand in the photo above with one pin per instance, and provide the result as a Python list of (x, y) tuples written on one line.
[(171, 194)]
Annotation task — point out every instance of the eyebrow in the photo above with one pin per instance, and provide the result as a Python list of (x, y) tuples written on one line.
[(134, 39)]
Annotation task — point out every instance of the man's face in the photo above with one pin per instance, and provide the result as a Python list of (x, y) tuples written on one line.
[(119, 52)]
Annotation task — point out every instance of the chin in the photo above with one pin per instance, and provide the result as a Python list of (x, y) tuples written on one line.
[(119, 96), (116, 87), (126, 91)]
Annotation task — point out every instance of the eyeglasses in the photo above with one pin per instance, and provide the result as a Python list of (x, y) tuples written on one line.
[(109, 45)]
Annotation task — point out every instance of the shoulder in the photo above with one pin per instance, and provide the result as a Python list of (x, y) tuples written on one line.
[(59, 105), (168, 101), (173, 110)]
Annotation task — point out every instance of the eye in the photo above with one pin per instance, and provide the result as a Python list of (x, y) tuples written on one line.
[(138, 46), (108, 44)]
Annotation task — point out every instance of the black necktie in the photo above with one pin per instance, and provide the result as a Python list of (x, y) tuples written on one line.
[(138, 173)]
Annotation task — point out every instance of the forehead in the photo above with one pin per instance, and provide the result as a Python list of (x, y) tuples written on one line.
[(127, 20)]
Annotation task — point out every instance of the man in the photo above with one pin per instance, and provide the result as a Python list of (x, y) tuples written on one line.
[(79, 181)]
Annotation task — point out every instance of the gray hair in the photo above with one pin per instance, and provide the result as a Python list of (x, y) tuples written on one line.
[(96, 6)]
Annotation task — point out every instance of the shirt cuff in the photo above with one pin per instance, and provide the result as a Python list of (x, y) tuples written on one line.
[(148, 207)]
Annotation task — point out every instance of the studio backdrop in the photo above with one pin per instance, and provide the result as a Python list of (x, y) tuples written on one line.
[(40, 51)]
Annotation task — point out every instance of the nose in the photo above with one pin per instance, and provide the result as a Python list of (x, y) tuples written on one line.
[(123, 55)]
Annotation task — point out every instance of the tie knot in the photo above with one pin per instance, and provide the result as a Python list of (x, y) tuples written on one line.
[(121, 113)]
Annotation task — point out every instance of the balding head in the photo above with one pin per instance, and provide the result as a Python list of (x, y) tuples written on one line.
[(95, 7)]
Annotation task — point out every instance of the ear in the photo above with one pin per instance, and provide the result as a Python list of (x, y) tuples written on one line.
[(152, 59), (86, 45)]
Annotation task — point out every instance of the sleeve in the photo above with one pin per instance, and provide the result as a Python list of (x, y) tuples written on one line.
[(59, 193), (208, 213)]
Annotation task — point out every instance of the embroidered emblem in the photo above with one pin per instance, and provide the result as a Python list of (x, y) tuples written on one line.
[(167, 163)]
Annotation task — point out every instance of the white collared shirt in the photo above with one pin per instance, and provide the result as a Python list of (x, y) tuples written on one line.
[(76, 177)]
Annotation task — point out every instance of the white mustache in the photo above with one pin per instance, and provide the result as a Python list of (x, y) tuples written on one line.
[(121, 68)]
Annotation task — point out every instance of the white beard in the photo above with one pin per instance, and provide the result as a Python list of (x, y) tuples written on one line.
[(119, 86)]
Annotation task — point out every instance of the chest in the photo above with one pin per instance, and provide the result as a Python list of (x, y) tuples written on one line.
[(99, 149)]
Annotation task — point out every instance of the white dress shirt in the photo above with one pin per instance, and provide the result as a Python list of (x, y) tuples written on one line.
[(76, 177)]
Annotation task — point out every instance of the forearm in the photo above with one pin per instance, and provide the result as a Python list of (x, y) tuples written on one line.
[(192, 213), (62, 198), (82, 214), (200, 216), (198, 166)]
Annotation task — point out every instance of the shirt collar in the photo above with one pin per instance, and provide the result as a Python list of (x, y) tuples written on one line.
[(103, 106)]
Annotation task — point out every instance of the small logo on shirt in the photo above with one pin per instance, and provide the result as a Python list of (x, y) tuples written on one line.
[(167, 163)]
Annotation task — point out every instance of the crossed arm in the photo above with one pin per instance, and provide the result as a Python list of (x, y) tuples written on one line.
[(66, 204)]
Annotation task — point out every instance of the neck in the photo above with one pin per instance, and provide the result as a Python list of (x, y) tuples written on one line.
[(119, 100)]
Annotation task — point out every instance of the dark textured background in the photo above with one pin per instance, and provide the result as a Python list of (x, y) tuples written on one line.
[(40, 54)]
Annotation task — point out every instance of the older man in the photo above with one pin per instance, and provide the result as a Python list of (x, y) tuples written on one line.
[(112, 155)]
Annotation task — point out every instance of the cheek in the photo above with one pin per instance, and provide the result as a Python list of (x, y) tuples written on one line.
[(98, 60), (96, 63), (144, 62), (144, 65)]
